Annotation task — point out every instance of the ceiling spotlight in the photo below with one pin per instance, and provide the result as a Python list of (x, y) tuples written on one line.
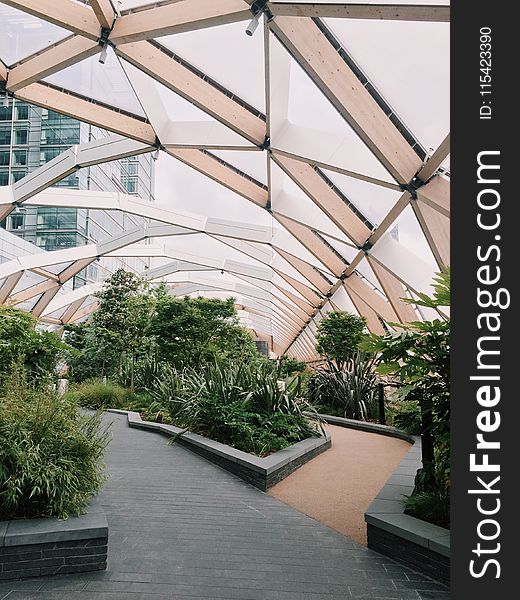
[(103, 55), (251, 28), (5, 102)]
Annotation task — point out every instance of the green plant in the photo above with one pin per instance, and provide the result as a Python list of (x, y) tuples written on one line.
[(195, 331), (150, 409), (417, 357), (432, 506), (98, 395), (348, 390), (50, 452), (241, 404), (408, 416), (118, 333), (21, 340), (339, 335), (287, 366)]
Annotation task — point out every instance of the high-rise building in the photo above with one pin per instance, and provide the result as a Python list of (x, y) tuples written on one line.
[(31, 136)]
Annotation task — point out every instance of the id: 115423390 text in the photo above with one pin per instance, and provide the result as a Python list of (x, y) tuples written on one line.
[(485, 111)]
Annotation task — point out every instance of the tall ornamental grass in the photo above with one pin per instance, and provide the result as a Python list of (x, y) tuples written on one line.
[(51, 454)]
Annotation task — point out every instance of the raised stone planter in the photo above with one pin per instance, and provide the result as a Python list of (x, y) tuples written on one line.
[(48, 546), (263, 473), (420, 545), (368, 427)]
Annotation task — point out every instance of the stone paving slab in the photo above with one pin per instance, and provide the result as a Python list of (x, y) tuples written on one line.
[(181, 528)]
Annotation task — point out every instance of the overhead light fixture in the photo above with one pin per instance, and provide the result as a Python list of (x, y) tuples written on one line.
[(5, 102), (103, 42), (251, 28), (103, 55)]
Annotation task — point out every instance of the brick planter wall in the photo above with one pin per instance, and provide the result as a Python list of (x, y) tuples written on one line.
[(418, 544), (262, 472), (36, 547)]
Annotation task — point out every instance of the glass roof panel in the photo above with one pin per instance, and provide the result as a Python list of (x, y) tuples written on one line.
[(329, 139), (57, 314), (348, 252), (365, 270), (251, 162), (28, 280), (56, 269), (288, 199), (290, 244), (342, 300), (373, 201), (183, 188), (159, 102), (29, 304), (23, 35), (228, 56), (414, 83), (405, 251), (107, 82)]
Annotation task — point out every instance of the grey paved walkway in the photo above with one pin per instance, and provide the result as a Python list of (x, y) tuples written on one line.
[(183, 529)]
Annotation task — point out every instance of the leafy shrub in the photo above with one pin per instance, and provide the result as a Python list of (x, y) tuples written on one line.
[(143, 371), (418, 358), (50, 453), (150, 409), (432, 506), (190, 332), (98, 395), (20, 340), (348, 390), (290, 366), (408, 417), (240, 404)]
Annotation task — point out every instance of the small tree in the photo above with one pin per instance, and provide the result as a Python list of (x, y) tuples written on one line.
[(191, 331), (123, 316), (339, 335)]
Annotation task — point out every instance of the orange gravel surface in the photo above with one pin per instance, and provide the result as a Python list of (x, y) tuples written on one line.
[(336, 487)]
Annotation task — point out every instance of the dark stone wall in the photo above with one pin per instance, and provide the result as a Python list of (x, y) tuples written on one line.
[(260, 480), (422, 559), (75, 556)]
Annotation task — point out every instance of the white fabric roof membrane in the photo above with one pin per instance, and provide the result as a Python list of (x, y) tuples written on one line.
[(302, 168)]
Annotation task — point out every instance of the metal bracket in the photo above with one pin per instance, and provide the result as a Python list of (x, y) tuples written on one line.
[(412, 187), (366, 247), (258, 6), (103, 38), (266, 144)]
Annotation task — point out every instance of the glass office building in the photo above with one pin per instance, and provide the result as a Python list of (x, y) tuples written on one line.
[(31, 136)]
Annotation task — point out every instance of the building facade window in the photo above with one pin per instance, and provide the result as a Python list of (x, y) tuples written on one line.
[(6, 113), (22, 112), (21, 136), (19, 158), (17, 220), (5, 136)]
